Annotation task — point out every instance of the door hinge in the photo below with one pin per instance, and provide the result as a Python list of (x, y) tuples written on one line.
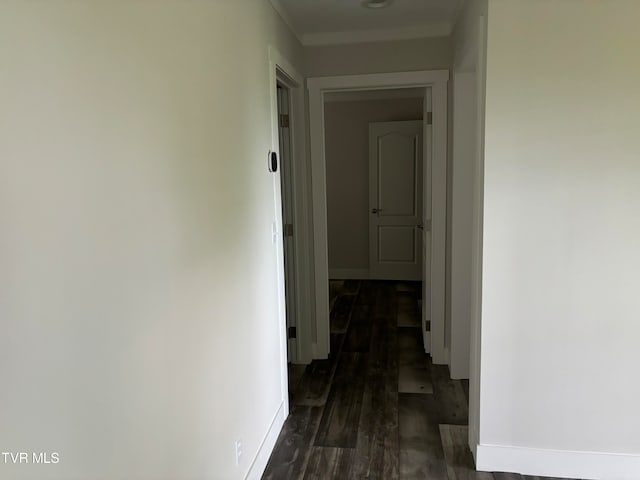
[(291, 332), (288, 229), (427, 326), (429, 118), (284, 120)]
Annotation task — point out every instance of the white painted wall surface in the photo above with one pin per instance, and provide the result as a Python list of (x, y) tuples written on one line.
[(560, 312), (469, 39), (376, 57), (138, 303), (463, 198)]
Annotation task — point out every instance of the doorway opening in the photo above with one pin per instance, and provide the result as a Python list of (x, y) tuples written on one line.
[(286, 189), (291, 228), (374, 147), (374, 162), (433, 87), (295, 368)]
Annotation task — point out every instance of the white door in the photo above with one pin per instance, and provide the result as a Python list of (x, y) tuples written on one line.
[(395, 200), (284, 137)]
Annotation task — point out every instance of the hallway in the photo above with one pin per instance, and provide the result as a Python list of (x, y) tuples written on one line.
[(377, 408)]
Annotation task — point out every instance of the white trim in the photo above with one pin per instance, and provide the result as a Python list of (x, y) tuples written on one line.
[(557, 463), (476, 307), (319, 216), (377, 81), (286, 18), (349, 274), (261, 459), (277, 240), (279, 67), (464, 182), (436, 80), (301, 207), (315, 350), (378, 35), (439, 97), (427, 342), (427, 135), (302, 223)]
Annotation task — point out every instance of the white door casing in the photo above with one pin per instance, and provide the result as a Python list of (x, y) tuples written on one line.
[(286, 181), (395, 200), (434, 82), (281, 70), (426, 231)]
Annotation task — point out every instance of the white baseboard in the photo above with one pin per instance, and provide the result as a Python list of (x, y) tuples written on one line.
[(427, 342), (557, 463), (349, 273), (316, 354), (444, 360), (264, 452)]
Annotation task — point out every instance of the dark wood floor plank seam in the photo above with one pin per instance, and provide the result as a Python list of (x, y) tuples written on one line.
[(341, 414), (377, 443), (291, 452), (341, 313), (507, 476), (453, 404), (460, 465), (326, 463), (315, 384), (421, 453)]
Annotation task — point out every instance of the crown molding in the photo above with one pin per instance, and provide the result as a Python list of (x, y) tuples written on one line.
[(286, 18), (380, 35)]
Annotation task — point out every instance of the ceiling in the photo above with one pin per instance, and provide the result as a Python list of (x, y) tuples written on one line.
[(323, 22)]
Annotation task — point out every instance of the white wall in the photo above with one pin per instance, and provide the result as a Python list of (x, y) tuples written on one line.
[(463, 198), (469, 53), (347, 157), (560, 311), (376, 57), (138, 306)]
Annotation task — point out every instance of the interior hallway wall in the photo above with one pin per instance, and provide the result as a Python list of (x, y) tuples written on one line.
[(376, 57), (138, 306), (469, 53), (560, 310), (347, 157)]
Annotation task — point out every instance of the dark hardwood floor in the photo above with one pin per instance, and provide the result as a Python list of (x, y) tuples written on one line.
[(377, 408)]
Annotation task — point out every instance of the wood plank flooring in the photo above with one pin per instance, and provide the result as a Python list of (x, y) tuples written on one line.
[(377, 408)]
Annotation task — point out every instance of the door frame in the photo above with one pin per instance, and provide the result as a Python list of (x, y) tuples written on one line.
[(463, 210), (287, 202), (436, 81), (282, 71)]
